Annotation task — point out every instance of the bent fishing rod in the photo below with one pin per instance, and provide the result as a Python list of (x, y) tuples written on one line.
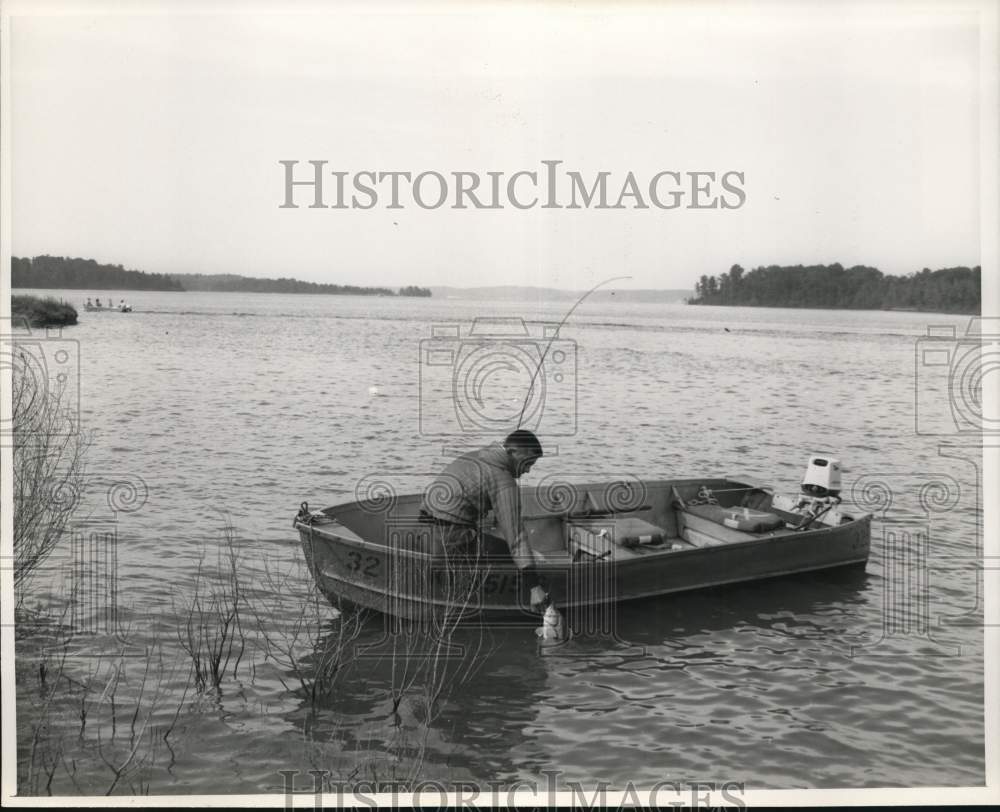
[(554, 336)]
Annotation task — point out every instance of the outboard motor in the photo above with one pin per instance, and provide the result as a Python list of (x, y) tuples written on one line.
[(822, 477), (820, 493)]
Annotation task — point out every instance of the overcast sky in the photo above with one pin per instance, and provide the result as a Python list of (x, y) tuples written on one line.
[(154, 141)]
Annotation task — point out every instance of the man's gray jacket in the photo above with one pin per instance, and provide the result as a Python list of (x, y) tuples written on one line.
[(472, 485)]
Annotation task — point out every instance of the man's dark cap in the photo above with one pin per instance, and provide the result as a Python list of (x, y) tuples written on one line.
[(523, 439)]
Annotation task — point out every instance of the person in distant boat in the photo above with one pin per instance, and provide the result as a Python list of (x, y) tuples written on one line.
[(89, 304), (99, 302), (480, 481)]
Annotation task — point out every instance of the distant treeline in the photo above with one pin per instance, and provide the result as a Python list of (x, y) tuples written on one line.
[(87, 274), (73, 272), (413, 290), (249, 284), (951, 290)]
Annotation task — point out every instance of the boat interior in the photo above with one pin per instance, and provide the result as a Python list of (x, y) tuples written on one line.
[(616, 520), (620, 521)]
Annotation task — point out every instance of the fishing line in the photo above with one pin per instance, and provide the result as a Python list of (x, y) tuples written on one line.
[(555, 335)]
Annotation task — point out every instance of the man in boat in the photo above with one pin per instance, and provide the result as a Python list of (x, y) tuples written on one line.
[(480, 481)]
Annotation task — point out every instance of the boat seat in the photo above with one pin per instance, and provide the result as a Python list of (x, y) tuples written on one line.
[(703, 528), (738, 518)]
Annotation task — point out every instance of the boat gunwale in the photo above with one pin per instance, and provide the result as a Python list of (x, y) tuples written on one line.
[(511, 610), (644, 558), (325, 537)]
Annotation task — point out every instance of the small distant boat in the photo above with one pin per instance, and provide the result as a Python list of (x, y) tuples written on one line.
[(598, 543), (112, 309)]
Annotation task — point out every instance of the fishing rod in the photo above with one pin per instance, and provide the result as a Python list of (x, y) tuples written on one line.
[(554, 336)]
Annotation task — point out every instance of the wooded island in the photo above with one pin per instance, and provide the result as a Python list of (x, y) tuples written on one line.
[(87, 274), (948, 290)]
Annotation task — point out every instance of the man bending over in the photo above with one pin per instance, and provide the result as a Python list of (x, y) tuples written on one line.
[(481, 480)]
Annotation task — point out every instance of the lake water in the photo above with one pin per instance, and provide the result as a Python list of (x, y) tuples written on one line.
[(207, 409)]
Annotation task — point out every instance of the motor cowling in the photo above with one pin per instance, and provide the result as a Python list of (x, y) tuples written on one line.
[(822, 477), (819, 497)]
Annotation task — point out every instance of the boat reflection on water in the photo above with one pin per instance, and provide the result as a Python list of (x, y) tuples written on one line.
[(476, 704), (821, 605)]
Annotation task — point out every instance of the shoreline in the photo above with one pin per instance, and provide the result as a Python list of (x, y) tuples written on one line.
[(973, 314), (91, 291)]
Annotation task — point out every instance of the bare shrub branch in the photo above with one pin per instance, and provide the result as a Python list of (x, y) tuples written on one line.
[(212, 630), (48, 470)]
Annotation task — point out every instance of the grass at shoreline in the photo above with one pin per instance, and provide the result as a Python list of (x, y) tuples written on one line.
[(39, 312)]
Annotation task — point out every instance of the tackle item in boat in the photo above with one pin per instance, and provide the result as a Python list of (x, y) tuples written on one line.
[(597, 537)]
